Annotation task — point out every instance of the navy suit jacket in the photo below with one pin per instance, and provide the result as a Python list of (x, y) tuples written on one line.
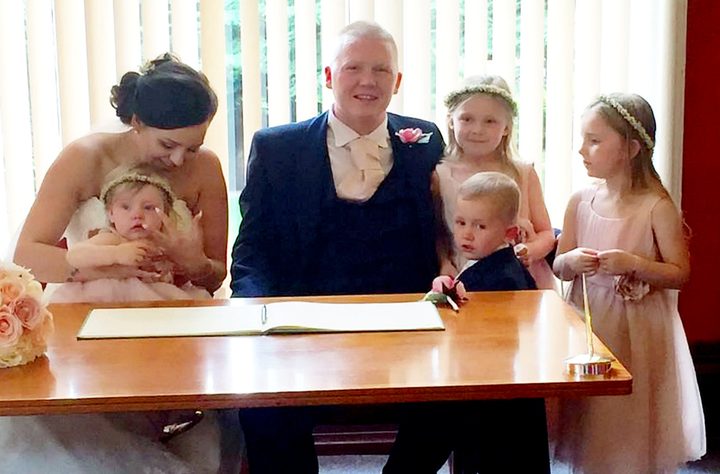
[(499, 271), (288, 171)]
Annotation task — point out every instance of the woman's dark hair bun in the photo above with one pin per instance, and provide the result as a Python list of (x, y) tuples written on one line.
[(122, 96), (166, 94)]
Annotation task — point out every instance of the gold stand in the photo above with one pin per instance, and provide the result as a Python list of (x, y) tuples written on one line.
[(590, 363)]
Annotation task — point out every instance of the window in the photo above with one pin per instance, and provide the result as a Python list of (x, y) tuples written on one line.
[(266, 57)]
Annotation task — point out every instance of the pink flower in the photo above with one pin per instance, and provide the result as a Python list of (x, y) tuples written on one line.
[(25, 322), (10, 290), (442, 283), (630, 288), (413, 135), (10, 328), (27, 310), (446, 287)]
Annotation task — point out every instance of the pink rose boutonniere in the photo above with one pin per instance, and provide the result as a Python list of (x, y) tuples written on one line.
[(445, 289), (413, 135), (25, 322)]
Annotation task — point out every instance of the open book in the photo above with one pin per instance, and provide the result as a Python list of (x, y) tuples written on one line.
[(280, 317)]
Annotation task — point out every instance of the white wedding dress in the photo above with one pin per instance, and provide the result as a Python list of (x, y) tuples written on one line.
[(115, 443)]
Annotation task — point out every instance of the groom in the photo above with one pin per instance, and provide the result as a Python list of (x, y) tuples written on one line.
[(338, 204)]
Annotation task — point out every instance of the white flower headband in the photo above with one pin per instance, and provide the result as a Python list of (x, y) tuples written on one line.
[(629, 118), (138, 178), (482, 89)]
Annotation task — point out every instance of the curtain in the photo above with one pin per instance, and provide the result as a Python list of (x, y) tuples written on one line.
[(58, 60)]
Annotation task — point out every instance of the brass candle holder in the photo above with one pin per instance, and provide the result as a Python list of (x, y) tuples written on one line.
[(589, 363)]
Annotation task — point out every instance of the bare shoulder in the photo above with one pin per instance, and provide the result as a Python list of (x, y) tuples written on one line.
[(81, 165), (664, 212), (200, 177), (207, 158), (204, 169), (575, 199)]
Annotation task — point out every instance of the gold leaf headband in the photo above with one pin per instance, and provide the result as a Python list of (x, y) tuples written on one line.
[(629, 118), (134, 177), (482, 89)]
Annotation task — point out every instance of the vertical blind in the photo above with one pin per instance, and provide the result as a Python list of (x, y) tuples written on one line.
[(59, 59)]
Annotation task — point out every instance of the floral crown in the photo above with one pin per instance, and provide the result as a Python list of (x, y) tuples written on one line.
[(482, 89), (629, 118), (135, 177)]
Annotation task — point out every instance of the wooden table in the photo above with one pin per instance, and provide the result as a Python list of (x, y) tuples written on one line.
[(500, 345)]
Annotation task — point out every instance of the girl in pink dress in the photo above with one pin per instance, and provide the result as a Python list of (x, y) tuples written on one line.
[(626, 235), (481, 138)]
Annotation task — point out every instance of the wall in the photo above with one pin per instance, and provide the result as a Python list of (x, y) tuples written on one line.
[(700, 298)]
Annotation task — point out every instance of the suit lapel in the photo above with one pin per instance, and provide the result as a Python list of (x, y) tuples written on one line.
[(312, 172)]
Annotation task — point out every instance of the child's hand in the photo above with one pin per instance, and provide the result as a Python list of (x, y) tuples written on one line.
[(523, 254), (583, 260), (134, 252), (616, 262), (447, 268)]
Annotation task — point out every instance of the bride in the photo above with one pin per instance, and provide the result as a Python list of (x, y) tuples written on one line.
[(166, 108)]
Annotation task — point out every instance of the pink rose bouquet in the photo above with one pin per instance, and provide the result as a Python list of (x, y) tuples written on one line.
[(445, 289), (25, 322)]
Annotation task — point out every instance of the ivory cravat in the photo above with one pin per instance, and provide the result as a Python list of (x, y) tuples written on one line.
[(362, 183)]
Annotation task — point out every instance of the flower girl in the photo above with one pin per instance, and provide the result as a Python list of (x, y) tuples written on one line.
[(626, 235), (481, 138)]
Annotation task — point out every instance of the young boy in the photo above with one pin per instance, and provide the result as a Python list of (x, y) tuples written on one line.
[(486, 436), (485, 215)]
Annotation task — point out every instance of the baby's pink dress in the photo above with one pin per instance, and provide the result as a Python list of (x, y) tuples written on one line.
[(539, 269), (660, 425)]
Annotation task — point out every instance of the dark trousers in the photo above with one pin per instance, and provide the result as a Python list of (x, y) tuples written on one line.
[(280, 440), (486, 436)]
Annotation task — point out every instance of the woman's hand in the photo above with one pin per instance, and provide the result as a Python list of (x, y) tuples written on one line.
[(617, 262), (184, 248)]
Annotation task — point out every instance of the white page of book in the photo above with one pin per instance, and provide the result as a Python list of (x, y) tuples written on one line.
[(169, 322), (302, 315), (291, 316)]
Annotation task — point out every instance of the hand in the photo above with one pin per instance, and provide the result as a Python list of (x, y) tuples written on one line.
[(523, 254), (447, 268), (617, 262), (582, 260), (183, 247), (526, 231), (135, 252)]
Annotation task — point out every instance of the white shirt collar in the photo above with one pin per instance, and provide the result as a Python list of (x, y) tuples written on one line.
[(344, 134)]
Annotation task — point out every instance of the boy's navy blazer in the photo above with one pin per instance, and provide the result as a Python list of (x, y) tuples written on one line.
[(499, 271), (288, 175)]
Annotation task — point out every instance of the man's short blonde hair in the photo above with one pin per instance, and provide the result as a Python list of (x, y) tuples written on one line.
[(363, 29), (501, 189)]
